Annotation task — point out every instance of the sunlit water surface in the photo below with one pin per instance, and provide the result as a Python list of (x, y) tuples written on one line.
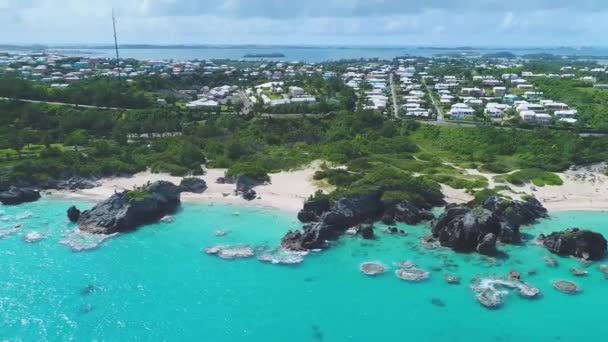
[(157, 284)]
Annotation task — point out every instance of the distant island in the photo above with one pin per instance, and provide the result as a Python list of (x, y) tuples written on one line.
[(264, 55)]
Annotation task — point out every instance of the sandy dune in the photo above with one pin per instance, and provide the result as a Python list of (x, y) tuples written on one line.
[(582, 190)]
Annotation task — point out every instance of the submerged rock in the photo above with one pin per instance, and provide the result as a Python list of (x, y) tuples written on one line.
[(566, 286), (89, 289), (578, 272), (231, 252), (550, 261), (412, 274), (575, 242), (438, 302), (79, 241), (490, 291), (16, 196), (450, 279), (128, 210), (33, 237), (220, 233), (395, 231), (281, 256), (490, 298), (372, 268), (9, 231), (193, 185)]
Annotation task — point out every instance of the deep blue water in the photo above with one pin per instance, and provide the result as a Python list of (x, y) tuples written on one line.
[(157, 284)]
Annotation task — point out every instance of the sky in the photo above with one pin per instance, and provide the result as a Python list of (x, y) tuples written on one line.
[(308, 22)]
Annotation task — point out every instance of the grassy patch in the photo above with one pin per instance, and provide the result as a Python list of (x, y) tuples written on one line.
[(537, 177)]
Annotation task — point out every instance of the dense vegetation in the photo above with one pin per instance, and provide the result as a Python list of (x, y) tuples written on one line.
[(591, 103), (405, 160), (103, 92)]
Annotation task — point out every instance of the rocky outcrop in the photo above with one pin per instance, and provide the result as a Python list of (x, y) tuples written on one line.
[(313, 209), (487, 246), (73, 214), (15, 196), (128, 210), (194, 185), (479, 229), (244, 187), (575, 242), (343, 214), (516, 213), (245, 183), (249, 195), (76, 183), (405, 212), (366, 230)]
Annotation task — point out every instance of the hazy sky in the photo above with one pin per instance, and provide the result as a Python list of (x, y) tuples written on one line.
[(348, 22)]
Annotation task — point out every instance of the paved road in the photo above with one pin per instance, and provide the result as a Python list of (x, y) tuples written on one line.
[(394, 93), (438, 109), (61, 104)]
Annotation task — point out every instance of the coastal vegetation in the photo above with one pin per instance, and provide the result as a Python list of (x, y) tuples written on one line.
[(403, 159)]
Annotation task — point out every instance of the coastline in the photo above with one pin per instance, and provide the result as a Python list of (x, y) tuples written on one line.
[(287, 191), (582, 190)]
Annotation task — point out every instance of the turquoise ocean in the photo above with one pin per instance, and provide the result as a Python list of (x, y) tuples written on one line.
[(156, 284)]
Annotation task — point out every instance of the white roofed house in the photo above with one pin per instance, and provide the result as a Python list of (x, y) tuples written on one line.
[(446, 99), (530, 116), (496, 110), (556, 106), (203, 103), (460, 110)]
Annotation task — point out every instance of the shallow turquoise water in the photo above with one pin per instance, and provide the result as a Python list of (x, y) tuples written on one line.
[(157, 284)]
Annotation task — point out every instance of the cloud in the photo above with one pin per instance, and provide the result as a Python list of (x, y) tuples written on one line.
[(361, 22)]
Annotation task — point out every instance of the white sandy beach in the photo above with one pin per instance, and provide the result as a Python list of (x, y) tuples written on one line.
[(287, 190), (582, 190)]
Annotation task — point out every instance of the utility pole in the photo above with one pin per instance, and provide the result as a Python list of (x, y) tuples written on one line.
[(116, 45)]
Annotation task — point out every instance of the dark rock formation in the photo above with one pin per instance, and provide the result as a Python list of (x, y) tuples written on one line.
[(73, 214), (366, 230), (244, 184), (194, 185), (244, 187), (516, 213), (467, 230), (15, 196), (405, 212), (487, 246), (575, 242), (343, 214), (313, 209), (128, 210), (249, 195), (76, 183)]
